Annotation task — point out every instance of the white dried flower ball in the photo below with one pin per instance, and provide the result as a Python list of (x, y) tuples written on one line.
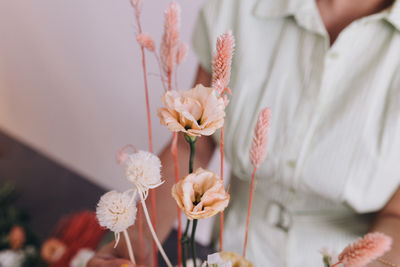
[(216, 260), (81, 258), (116, 211), (144, 170)]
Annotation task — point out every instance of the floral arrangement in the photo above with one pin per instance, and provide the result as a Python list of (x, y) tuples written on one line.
[(18, 244), (200, 193), (72, 243), (194, 113)]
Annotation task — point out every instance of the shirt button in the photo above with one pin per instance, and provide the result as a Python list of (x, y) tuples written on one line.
[(292, 164), (333, 55)]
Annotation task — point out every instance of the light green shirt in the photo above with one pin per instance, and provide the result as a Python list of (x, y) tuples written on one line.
[(334, 148)]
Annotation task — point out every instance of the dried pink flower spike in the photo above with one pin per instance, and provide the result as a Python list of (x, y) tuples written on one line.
[(181, 53), (221, 66), (258, 149), (146, 41), (170, 40), (136, 3), (222, 60), (258, 152), (365, 250)]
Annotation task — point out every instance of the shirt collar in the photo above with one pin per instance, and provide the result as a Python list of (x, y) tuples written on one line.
[(305, 12), (307, 15), (393, 15)]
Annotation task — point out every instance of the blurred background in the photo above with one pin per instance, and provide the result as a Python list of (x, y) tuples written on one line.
[(71, 95)]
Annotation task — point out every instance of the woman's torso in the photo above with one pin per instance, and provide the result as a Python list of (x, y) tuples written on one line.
[(334, 138)]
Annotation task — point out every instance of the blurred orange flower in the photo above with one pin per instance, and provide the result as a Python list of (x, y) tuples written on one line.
[(53, 250), (16, 237), (235, 259), (195, 112), (200, 194)]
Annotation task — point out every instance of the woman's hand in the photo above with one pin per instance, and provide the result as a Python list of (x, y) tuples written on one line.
[(388, 222), (108, 257), (103, 260)]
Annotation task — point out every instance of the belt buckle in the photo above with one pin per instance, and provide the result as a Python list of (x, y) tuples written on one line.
[(278, 216)]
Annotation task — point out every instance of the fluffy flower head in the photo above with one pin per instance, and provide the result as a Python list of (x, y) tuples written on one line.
[(227, 259), (16, 237), (222, 59), (181, 53), (10, 257), (258, 150), (146, 41), (195, 112), (365, 250), (81, 258), (136, 3), (170, 40), (200, 194), (143, 169), (116, 211), (53, 250)]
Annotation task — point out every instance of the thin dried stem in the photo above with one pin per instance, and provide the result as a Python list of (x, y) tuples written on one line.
[(153, 233), (249, 210), (174, 151), (129, 245), (163, 80), (146, 87), (221, 223)]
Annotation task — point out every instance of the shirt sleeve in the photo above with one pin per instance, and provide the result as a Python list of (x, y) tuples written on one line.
[(375, 177)]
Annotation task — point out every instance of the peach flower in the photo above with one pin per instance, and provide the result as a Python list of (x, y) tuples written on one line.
[(200, 194), (16, 237), (53, 250), (195, 112), (227, 259), (235, 259)]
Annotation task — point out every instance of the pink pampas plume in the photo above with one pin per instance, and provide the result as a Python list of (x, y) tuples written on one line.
[(219, 86), (136, 4), (365, 250), (221, 65), (172, 53), (146, 41), (258, 153), (222, 59), (170, 39), (181, 53), (258, 150)]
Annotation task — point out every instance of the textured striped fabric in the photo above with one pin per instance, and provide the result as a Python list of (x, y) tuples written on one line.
[(335, 130)]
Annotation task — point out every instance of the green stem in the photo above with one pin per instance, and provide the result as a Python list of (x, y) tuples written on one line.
[(184, 239), (193, 243), (184, 242), (192, 143)]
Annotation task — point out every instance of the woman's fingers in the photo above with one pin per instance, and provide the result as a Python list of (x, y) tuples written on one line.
[(104, 262)]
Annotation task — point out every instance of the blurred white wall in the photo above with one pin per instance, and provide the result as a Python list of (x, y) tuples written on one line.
[(71, 81)]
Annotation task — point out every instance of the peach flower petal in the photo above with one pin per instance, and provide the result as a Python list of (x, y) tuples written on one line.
[(201, 194), (195, 112), (53, 250), (16, 237)]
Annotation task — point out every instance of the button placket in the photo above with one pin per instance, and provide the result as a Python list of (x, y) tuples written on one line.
[(327, 75)]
